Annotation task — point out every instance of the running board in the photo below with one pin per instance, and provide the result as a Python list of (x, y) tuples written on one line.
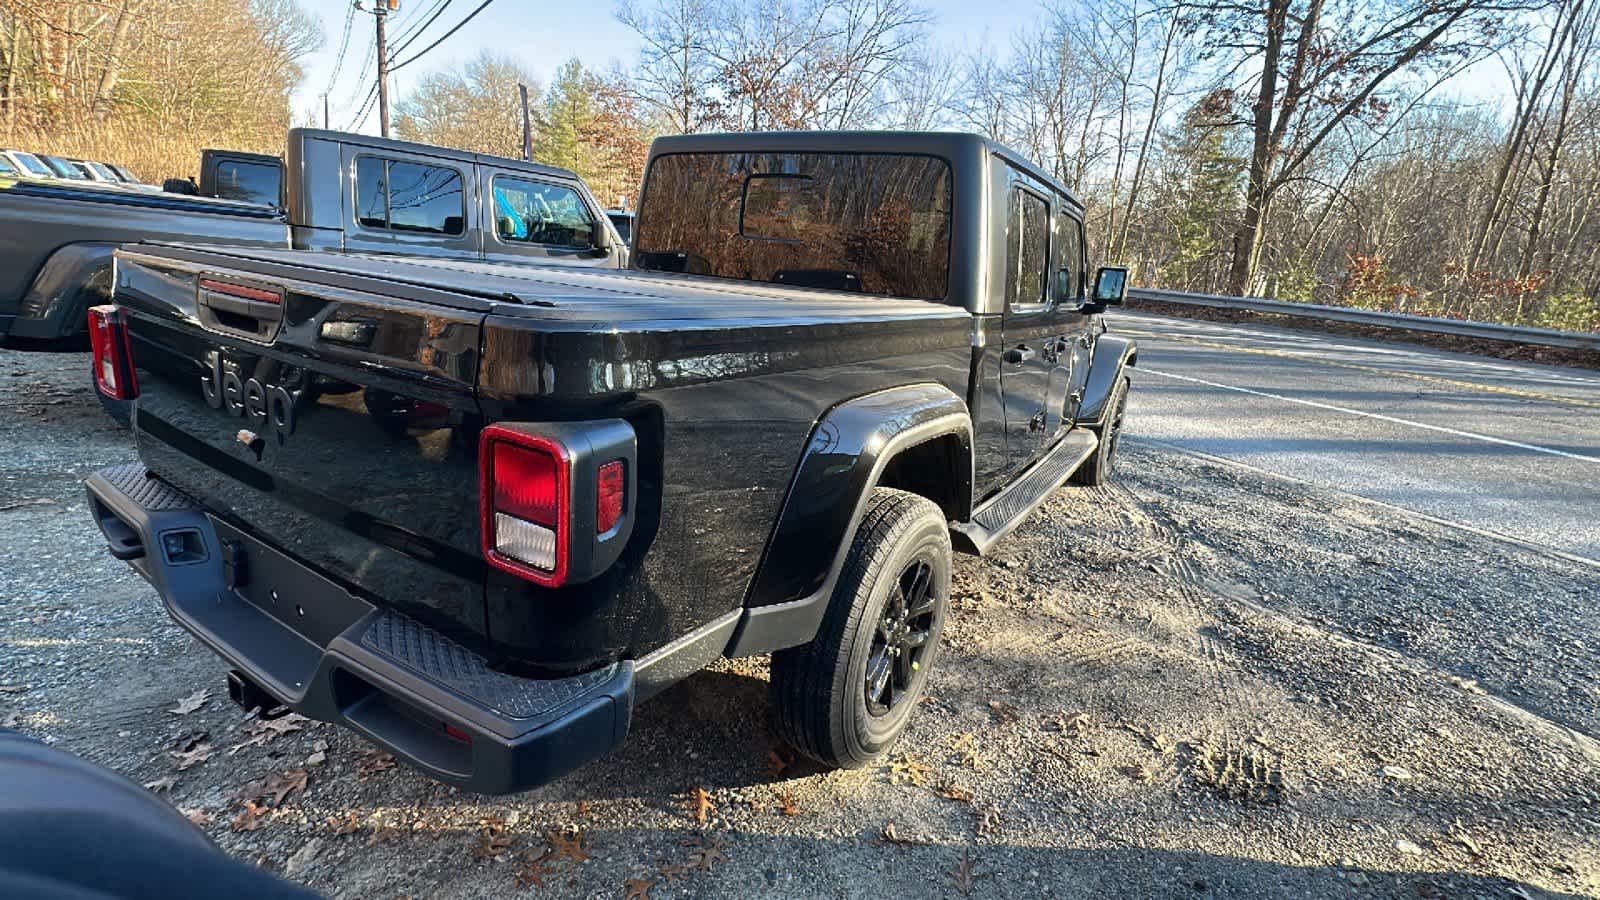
[(1011, 507)]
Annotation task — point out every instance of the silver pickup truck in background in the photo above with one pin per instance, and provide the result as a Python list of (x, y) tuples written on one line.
[(343, 193)]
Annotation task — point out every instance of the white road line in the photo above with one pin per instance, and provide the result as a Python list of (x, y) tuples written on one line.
[(1356, 412)]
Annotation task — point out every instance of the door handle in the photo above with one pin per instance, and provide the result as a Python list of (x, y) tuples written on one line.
[(1019, 354)]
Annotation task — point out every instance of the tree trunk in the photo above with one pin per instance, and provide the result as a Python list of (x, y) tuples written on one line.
[(105, 91), (1252, 227)]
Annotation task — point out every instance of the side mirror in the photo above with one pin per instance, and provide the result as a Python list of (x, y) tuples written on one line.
[(601, 239), (507, 227), (1110, 286)]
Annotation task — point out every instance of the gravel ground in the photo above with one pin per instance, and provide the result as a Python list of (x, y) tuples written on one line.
[(1203, 681)]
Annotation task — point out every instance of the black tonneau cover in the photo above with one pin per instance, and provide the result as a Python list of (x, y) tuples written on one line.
[(624, 300)]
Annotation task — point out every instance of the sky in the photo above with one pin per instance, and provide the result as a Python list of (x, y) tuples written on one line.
[(542, 35)]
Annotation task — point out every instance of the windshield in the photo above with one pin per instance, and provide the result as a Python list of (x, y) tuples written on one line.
[(874, 223), (32, 164), (63, 169), (6, 168)]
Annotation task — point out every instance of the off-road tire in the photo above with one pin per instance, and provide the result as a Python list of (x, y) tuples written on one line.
[(1096, 470), (819, 690)]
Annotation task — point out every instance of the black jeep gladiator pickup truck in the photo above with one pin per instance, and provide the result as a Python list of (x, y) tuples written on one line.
[(478, 512)]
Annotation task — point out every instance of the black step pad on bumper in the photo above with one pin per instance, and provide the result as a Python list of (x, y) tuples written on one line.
[(331, 655)]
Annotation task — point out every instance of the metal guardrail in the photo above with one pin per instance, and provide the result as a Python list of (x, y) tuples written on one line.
[(1546, 337)]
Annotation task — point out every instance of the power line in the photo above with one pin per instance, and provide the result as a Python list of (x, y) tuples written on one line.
[(344, 46), (459, 25), (416, 33), (418, 22)]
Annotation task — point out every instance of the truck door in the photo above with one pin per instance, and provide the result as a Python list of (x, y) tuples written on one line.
[(1028, 326)]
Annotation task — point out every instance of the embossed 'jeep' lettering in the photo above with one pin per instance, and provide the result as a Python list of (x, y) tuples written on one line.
[(263, 405)]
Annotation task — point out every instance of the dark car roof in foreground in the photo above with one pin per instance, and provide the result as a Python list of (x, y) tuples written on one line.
[(950, 145), (622, 299)]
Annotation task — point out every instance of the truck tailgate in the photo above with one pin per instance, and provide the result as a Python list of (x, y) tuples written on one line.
[(331, 422)]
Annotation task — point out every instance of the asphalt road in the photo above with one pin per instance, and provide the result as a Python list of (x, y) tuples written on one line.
[(1504, 447)]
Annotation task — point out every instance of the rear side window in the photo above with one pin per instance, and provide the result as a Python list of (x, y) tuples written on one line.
[(1027, 249), (409, 197), (249, 182), (535, 212), (877, 223)]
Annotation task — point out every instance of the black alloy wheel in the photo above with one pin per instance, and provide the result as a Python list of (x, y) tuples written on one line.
[(902, 638)]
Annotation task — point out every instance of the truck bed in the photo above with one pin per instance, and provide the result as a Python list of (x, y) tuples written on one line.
[(560, 297)]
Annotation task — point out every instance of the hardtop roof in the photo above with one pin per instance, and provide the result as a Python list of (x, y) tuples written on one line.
[(953, 146)]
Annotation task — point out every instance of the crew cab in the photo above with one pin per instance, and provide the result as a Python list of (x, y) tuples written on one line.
[(478, 512), (343, 192)]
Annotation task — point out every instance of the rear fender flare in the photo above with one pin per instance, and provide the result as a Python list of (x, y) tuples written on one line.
[(74, 278), (1112, 356), (843, 461)]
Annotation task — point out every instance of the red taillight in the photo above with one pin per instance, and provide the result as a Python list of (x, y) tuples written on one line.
[(525, 493), (113, 355), (242, 292), (612, 488)]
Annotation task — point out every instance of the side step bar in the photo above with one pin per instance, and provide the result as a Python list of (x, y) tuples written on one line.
[(1012, 506)]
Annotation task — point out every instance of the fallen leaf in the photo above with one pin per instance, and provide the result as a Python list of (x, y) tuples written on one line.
[(280, 786), (583, 809), (637, 889), (197, 817), (965, 745), (383, 834), (260, 731), (13, 689), (349, 823), (963, 875), (492, 842), (249, 819), (700, 804), (161, 785), (319, 754), (1004, 713), (192, 702), (890, 835), (194, 756), (707, 853), (787, 804), (669, 872), (952, 791), (19, 504), (779, 760), (906, 768), (568, 844), (534, 869), (373, 761)]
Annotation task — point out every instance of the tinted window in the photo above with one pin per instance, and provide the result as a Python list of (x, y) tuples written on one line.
[(34, 165), (1070, 232), (250, 182), (62, 168), (532, 212), (409, 197), (1027, 248), (878, 223)]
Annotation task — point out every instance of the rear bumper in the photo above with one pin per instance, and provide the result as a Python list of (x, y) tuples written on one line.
[(333, 656)]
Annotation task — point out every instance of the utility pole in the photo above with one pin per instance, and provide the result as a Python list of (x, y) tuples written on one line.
[(380, 11), (325, 112), (527, 126)]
